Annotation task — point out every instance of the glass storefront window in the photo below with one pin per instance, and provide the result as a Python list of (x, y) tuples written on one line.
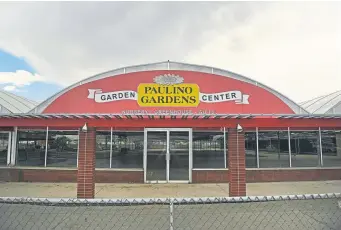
[(103, 139), (127, 149), (273, 149), (31, 147), (62, 149), (305, 148), (331, 148), (4, 137), (250, 150), (208, 149)]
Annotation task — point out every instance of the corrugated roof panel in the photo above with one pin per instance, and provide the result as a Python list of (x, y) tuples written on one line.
[(335, 110), (306, 104), (324, 104), (329, 104), (11, 103)]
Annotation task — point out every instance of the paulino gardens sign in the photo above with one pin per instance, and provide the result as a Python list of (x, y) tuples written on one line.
[(168, 90)]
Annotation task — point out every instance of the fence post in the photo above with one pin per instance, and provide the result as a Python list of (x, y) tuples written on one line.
[(171, 206)]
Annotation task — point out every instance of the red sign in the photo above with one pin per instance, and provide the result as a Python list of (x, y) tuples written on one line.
[(168, 92)]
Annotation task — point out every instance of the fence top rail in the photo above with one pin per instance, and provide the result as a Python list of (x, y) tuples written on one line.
[(143, 201)]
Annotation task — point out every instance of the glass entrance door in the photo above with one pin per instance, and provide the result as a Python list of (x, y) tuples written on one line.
[(167, 155), (179, 155), (156, 169)]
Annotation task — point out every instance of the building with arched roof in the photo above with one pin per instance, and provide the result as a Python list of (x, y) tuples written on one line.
[(138, 72), (11, 103), (170, 122), (326, 104)]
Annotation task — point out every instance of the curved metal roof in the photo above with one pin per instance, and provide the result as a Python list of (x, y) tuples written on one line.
[(168, 65), (11, 103), (326, 104)]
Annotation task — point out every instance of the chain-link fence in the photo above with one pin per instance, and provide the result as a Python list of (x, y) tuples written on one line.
[(317, 211)]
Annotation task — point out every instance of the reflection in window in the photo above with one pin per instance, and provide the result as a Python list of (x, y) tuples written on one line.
[(208, 150), (250, 150), (3, 148), (304, 148), (127, 149), (273, 149), (156, 156), (103, 139), (31, 147), (179, 155), (62, 148), (331, 148)]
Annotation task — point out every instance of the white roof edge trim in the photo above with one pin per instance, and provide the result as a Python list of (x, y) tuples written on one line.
[(168, 66)]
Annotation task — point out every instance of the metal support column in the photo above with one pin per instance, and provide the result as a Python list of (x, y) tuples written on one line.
[(289, 144), (320, 144), (46, 143), (110, 147), (225, 153)]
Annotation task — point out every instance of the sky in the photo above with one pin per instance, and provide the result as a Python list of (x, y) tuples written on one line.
[(293, 47)]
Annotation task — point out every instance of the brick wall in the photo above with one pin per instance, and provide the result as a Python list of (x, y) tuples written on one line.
[(86, 164), (236, 163), (210, 176), (67, 175), (199, 176), (38, 175), (46, 175), (277, 175), (111, 176), (9, 175)]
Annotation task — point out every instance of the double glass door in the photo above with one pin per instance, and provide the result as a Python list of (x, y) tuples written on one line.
[(167, 155)]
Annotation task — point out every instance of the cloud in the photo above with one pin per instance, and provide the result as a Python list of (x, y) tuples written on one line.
[(292, 47), (19, 79), (10, 88), (102, 36)]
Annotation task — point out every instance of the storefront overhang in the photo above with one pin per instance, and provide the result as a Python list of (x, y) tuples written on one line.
[(157, 120)]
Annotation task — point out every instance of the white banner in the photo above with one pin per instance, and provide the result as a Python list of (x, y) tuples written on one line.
[(111, 96), (235, 96)]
